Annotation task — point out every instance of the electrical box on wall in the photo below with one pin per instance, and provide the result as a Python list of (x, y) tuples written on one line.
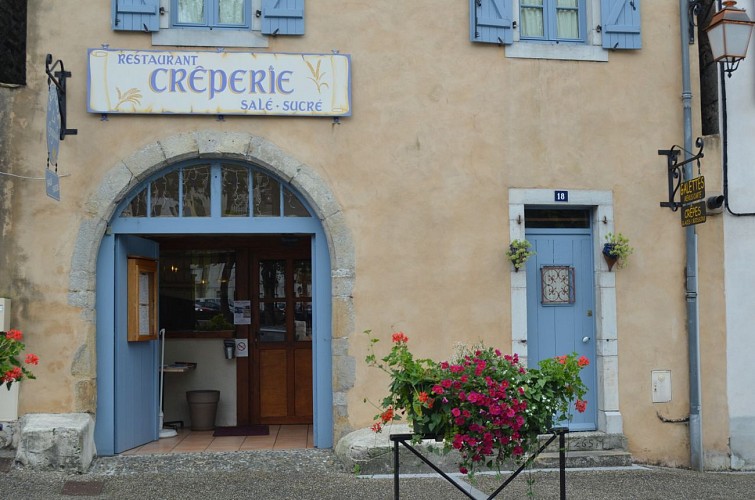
[(661, 382), (4, 315)]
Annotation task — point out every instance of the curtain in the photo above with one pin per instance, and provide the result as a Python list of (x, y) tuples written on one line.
[(231, 11), (191, 11), (567, 19), (531, 18)]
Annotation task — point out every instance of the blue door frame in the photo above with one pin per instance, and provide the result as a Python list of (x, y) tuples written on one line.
[(108, 416), (567, 324)]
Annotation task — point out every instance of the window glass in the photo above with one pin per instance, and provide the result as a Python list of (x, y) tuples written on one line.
[(266, 196), (196, 194), (292, 207), (531, 18), (567, 19), (212, 13), (235, 192), (191, 11), (272, 279), (272, 321), (164, 193), (556, 218), (231, 11), (137, 207), (550, 19), (303, 278), (197, 289)]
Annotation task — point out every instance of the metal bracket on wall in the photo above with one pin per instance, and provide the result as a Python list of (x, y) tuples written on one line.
[(674, 172), (59, 79)]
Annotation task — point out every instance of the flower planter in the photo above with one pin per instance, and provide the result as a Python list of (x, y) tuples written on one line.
[(610, 259), (9, 402)]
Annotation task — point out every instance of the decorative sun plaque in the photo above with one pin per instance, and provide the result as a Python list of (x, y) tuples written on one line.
[(557, 285)]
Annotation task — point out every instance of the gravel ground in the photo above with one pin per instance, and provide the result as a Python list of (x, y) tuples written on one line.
[(317, 474)]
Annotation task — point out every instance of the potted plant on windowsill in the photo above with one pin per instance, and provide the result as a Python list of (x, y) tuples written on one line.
[(616, 250), (485, 405), (519, 252)]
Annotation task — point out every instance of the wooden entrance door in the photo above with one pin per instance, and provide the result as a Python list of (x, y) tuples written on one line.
[(281, 338)]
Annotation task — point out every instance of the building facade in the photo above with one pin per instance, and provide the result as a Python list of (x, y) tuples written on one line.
[(287, 175)]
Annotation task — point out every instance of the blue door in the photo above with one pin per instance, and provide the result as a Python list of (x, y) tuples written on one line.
[(136, 363), (560, 305)]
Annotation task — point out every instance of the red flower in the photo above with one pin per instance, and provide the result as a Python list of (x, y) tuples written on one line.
[(399, 338), (13, 374), (580, 405), (14, 334), (583, 361), (561, 359), (422, 397), (387, 415), (32, 359), (376, 427)]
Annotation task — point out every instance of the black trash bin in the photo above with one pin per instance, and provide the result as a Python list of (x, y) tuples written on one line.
[(203, 406)]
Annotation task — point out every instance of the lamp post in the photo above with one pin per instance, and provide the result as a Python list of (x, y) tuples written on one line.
[(729, 34)]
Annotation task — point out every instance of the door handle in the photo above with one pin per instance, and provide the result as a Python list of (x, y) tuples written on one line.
[(585, 340)]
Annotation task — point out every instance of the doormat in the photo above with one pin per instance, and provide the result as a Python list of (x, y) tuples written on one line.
[(243, 430)]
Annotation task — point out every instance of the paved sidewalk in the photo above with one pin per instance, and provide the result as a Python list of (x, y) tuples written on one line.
[(317, 474)]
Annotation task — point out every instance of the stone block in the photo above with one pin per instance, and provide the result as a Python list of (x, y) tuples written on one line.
[(56, 441), (366, 452)]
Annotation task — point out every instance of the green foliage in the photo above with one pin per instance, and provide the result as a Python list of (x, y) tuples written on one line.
[(617, 246), (519, 252)]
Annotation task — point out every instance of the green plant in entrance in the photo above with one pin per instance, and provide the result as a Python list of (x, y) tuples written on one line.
[(519, 252), (617, 247)]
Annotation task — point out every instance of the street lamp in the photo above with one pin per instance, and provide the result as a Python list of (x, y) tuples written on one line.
[(729, 34)]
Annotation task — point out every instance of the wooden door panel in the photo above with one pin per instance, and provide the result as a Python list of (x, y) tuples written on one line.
[(273, 382), (303, 385)]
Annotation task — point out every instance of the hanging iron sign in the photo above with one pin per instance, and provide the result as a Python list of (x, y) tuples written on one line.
[(693, 214), (692, 190)]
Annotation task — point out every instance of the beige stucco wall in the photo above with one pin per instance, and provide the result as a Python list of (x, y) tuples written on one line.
[(441, 128)]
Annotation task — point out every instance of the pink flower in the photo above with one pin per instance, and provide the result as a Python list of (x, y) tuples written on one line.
[(580, 405)]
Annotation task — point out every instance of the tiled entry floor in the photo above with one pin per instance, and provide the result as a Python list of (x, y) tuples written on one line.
[(281, 437)]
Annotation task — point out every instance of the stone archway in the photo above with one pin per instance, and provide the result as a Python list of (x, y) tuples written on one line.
[(126, 173)]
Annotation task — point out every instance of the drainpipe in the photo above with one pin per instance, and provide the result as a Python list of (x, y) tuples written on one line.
[(693, 329)]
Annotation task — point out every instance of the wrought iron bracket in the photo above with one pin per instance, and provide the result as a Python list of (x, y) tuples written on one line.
[(693, 10), (674, 171), (59, 79)]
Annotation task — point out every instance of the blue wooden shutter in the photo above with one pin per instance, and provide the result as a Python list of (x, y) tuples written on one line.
[(621, 24), (136, 15), (490, 21), (282, 17)]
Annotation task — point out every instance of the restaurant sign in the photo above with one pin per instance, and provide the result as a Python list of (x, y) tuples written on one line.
[(218, 83)]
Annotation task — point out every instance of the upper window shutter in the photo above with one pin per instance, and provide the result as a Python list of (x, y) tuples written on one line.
[(282, 17), (136, 15), (490, 21), (621, 24)]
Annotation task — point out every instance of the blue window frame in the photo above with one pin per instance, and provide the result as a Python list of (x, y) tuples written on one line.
[(552, 20), (233, 14)]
